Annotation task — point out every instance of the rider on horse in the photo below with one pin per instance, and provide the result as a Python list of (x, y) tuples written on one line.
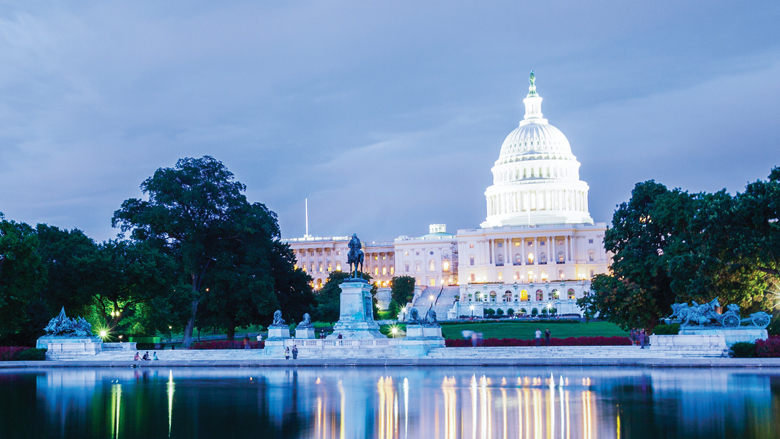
[(355, 256)]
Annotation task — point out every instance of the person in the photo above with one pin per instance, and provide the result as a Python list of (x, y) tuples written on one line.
[(259, 337), (295, 352), (632, 336), (341, 343), (146, 356), (246, 342), (538, 337), (547, 335), (286, 353), (137, 357), (642, 338), (154, 357)]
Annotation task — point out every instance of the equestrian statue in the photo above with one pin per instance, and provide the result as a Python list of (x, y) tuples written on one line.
[(355, 256)]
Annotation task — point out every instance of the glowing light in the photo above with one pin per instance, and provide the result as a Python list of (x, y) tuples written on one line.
[(103, 333)]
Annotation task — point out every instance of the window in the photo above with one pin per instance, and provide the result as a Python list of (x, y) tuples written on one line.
[(432, 266), (376, 257), (376, 270), (471, 260), (555, 295), (518, 259), (406, 253), (392, 269), (530, 243), (591, 256), (541, 244), (320, 268), (338, 266), (542, 258), (560, 258), (384, 270), (338, 253), (471, 245), (445, 265), (517, 244), (590, 241), (524, 296), (384, 257), (500, 259), (500, 276), (591, 274), (507, 296), (432, 282), (406, 268), (530, 258), (417, 267), (431, 253), (539, 295), (570, 294), (560, 274), (330, 268), (473, 277), (500, 245)]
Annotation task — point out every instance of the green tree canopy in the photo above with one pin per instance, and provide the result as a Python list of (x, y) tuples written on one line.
[(328, 298)]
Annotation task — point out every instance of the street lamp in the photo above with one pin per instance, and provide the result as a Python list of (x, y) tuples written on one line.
[(394, 330), (472, 311), (170, 334), (103, 333)]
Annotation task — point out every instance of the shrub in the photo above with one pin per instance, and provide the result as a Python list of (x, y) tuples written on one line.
[(672, 329), (553, 311), (769, 348), (500, 312), (510, 312), (544, 311), (534, 312), (224, 344), (490, 312), (744, 350), (774, 325), (571, 341), (10, 353), (32, 354)]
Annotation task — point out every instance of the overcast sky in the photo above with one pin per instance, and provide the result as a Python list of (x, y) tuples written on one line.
[(387, 115)]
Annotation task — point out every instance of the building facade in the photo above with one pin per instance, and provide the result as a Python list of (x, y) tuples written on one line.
[(537, 249)]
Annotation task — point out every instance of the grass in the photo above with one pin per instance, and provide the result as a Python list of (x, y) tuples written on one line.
[(525, 330)]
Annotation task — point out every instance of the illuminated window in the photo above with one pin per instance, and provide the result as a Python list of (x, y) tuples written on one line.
[(338, 266), (560, 257), (376, 258), (555, 295), (500, 276), (432, 282), (384, 270), (524, 295), (530, 258), (406, 253), (539, 295), (560, 274), (471, 245), (473, 277), (570, 293), (417, 267), (517, 244), (431, 266), (329, 268), (319, 283), (518, 259), (376, 270), (392, 270), (384, 257), (445, 265)]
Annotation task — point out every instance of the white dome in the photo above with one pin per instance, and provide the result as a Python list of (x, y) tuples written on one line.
[(536, 177)]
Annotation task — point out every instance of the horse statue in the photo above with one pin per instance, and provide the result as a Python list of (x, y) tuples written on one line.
[(355, 256), (703, 314)]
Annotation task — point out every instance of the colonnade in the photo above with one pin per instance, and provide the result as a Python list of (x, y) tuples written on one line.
[(535, 200)]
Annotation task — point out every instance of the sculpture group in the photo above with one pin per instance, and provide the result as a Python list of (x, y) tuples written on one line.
[(63, 326), (705, 315), (429, 320)]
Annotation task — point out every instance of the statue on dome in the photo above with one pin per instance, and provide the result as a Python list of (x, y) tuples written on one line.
[(355, 256), (532, 79)]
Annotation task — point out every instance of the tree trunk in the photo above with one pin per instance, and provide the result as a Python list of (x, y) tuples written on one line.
[(187, 341), (231, 330)]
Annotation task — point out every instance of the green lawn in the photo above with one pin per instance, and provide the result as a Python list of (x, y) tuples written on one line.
[(525, 330)]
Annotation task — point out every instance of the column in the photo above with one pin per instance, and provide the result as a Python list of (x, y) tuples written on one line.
[(492, 252)]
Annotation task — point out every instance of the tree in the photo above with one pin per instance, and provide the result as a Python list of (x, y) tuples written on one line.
[(402, 289), (510, 312), (500, 312), (534, 312), (120, 275), (21, 275), (188, 213), (490, 312)]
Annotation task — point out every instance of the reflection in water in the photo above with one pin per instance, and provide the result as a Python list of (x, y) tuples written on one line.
[(346, 403)]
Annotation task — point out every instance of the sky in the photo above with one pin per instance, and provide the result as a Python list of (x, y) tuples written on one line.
[(387, 116)]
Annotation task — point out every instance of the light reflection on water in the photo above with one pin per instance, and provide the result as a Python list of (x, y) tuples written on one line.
[(391, 403)]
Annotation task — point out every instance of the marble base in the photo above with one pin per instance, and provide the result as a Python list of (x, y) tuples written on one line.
[(57, 348), (305, 333), (278, 333), (356, 314), (706, 345), (419, 331), (736, 335)]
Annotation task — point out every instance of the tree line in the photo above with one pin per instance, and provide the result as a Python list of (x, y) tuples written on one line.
[(672, 246), (193, 253)]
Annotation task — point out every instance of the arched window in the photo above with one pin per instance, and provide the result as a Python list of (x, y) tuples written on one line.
[(518, 259), (591, 256), (500, 259), (530, 258), (570, 293), (507, 296), (555, 295), (539, 295), (524, 296), (560, 258), (492, 296), (319, 283), (542, 258), (478, 295), (432, 266)]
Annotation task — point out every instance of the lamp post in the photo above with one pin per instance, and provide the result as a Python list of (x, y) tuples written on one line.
[(170, 335), (472, 312), (394, 330)]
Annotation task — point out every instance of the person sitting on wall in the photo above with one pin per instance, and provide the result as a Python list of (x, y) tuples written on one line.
[(154, 357), (146, 356), (137, 357)]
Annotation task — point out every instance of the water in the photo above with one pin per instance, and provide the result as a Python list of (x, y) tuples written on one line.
[(402, 402)]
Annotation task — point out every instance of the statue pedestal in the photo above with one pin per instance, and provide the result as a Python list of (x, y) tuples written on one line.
[(58, 348), (735, 335), (704, 345), (278, 333), (420, 340), (356, 316), (305, 333)]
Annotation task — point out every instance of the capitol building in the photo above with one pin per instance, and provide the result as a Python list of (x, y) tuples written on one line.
[(537, 249)]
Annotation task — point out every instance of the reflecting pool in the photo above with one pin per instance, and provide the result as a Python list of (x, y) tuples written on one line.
[(405, 402)]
